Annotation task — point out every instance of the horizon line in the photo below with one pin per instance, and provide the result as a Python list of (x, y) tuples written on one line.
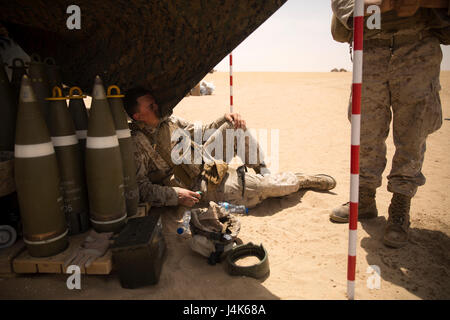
[(349, 71)]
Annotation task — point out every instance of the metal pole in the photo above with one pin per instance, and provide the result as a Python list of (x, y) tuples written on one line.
[(358, 29)]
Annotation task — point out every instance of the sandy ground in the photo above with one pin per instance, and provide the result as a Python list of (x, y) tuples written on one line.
[(307, 253)]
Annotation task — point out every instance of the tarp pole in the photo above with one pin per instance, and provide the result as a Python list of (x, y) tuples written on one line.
[(358, 29)]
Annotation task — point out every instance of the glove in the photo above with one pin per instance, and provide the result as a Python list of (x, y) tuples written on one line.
[(94, 246)]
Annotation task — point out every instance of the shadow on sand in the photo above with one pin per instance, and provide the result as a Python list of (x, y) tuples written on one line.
[(422, 267), (271, 206), (185, 275)]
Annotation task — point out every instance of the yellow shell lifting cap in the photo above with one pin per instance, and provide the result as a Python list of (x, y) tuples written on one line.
[(56, 94), (77, 96), (118, 95)]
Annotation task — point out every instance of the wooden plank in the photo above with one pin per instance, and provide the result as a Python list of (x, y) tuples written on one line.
[(21, 265), (102, 265), (24, 263), (7, 256), (49, 267)]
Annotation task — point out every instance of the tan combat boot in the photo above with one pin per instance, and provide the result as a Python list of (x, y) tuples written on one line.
[(320, 182), (397, 228), (367, 207)]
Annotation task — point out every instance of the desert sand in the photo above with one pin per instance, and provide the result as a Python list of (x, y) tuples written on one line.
[(307, 252)]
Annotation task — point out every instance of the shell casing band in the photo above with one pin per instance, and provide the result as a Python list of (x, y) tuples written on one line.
[(102, 142), (39, 238), (63, 141), (109, 222), (33, 150), (123, 133)]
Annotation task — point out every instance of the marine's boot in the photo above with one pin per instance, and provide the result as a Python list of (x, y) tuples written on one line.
[(321, 182), (397, 228), (367, 207)]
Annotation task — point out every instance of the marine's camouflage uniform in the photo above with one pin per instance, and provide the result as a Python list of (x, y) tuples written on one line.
[(158, 184), (400, 81)]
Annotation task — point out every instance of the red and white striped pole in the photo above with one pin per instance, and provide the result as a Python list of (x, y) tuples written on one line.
[(231, 82), (358, 29)]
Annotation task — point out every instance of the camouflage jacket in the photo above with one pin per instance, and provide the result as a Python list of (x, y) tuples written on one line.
[(156, 181), (391, 24)]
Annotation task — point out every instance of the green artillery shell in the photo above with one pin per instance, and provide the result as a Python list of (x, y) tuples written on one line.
[(53, 73), (78, 112), (18, 71), (39, 81), (104, 166), (37, 180), (126, 149), (8, 112), (71, 170)]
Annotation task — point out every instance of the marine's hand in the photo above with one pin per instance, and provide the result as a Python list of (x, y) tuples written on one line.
[(187, 197), (236, 119)]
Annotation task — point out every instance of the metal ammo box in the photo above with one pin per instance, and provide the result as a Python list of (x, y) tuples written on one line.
[(138, 252)]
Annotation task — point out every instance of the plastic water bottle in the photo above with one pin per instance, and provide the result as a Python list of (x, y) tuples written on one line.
[(232, 208), (184, 226)]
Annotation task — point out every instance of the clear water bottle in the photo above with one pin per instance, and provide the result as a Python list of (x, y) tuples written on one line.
[(232, 208), (184, 226)]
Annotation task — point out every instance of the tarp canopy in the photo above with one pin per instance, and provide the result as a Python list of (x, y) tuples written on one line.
[(167, 46)]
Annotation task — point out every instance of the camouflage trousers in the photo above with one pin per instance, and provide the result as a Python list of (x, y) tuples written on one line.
[(402, 85), (257, 188)]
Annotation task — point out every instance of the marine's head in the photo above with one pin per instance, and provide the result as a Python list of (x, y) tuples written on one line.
[(141, 105)]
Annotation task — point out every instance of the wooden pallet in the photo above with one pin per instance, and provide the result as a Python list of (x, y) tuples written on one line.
[(7, 256), (24, 263)]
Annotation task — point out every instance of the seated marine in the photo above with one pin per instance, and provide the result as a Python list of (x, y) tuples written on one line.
[(165, 181)]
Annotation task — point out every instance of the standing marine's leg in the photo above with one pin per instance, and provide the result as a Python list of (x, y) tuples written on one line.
[(375, 121), (417, 113)]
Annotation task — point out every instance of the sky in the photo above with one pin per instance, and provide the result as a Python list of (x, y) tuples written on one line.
[(296, 38)]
